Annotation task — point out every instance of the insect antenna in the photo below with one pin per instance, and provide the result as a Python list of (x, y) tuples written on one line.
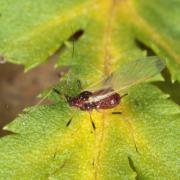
[(44, 98), (75, 37), (32, 109), (66, 97), (72, 39)]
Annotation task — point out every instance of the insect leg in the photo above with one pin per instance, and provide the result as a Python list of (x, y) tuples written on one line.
[(71, 118), (131, 130), (118, 112), (66, 97), (124, 95), (132, 134), (69, 122), (98, 110), (92, 122)]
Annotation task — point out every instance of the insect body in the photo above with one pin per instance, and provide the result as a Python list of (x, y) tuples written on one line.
[(87, 101), (127, 75)]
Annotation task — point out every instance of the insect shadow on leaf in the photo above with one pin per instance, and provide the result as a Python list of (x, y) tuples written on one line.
[(132, 166), (143, 47), (6, 133), (72, 39), (168, 86)]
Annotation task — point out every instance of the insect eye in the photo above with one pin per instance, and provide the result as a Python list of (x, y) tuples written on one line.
[(83, 98), (85, 95)]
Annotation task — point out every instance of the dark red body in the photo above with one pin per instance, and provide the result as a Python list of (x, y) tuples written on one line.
[(82, 100)]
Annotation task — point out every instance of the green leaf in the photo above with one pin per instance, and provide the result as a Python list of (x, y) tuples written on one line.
[(141, 143), (43, 147)]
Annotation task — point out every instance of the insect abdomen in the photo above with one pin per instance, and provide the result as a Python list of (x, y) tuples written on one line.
[(108, 102)]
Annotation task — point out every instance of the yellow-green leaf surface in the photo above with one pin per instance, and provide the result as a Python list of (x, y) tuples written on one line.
[(142, 143)]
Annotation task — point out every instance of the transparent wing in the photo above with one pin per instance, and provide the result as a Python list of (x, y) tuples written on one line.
[(127, 75), (134, 72)]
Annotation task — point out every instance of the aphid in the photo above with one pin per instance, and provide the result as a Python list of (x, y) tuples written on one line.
[(127, 75)]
